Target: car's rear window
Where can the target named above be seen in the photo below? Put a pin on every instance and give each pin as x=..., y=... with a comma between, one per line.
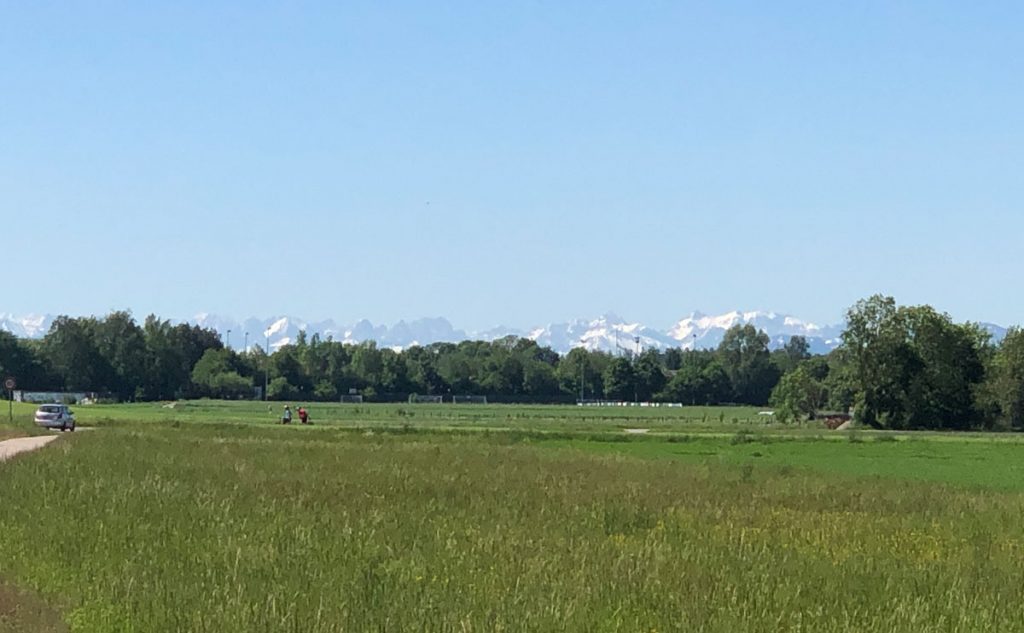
x=50, y=409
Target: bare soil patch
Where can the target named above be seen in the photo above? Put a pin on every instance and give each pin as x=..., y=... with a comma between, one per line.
x=22, y=612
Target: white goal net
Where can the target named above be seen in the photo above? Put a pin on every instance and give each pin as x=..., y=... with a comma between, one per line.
x=417, y=399
x=469, y=399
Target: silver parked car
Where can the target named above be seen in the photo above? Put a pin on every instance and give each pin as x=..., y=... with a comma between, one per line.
x=55, y=416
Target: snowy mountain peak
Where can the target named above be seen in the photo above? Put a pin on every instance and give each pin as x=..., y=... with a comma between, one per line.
x=277, y=327
x=609, y=332
x=26, y=326
x=707, y=331
x=610, y=318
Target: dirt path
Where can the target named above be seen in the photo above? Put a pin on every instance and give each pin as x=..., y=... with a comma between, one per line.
x=10, y=448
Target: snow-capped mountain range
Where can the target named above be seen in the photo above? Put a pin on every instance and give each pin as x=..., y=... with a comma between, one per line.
x=27, y=326
x=609, y=333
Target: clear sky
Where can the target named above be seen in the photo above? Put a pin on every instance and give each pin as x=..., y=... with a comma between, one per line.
x=511, y=163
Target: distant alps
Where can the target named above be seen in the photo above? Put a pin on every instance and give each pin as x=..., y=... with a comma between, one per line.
x=609, y=332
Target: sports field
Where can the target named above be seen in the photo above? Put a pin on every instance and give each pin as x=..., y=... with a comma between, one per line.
x=210, y=517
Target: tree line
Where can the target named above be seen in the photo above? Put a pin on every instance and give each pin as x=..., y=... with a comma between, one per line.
x=898, y=367
x=911, y=367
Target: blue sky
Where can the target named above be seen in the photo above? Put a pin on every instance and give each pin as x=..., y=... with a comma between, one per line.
x=511, y=163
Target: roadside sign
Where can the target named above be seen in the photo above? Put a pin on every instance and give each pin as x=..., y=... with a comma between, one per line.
x=9, y=384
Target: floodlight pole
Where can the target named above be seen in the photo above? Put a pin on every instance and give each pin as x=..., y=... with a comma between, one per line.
x=266, y=368
x=693, y=395
x=636, y=396
x=583, y=368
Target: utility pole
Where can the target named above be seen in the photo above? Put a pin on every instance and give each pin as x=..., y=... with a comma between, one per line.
x=227, y=340
x=246, y=347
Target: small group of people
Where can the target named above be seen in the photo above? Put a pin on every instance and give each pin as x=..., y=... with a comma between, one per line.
x=286, y=417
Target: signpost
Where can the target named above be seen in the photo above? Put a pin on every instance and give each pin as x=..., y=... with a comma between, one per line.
x=9, y=385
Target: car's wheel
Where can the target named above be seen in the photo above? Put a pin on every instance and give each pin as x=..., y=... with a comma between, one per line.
x=72, y=429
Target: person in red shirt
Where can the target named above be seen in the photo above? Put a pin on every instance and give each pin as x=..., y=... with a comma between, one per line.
x=303, y=415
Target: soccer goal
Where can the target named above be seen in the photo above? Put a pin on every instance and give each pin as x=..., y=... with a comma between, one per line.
x=469, y=399
x=358, y=399
x=418, y=399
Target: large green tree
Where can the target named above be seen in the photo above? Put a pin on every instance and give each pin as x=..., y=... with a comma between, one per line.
x=745, y=357
x=1006, y=382
x=700, y=379
x=216, y=375
x=122, y=344
x=913, y=367
x=18, y=359
x=801, y=392
x=620, y=380
x=422, y=370
x=790, y=355
x=649, y=374
x=583, y=367
x=70, y=348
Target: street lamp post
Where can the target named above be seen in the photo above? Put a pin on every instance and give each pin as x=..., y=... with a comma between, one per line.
x=227, y=340
x=245, y=348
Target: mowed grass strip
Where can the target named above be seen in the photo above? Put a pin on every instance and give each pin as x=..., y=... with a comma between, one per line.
x=996, y=463
x=563, y=417
x=236, y=529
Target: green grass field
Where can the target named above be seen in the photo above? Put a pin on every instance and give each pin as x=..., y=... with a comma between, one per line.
x=430, y=415
x=209, y=517
x=438, y=417
x=21, y=424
